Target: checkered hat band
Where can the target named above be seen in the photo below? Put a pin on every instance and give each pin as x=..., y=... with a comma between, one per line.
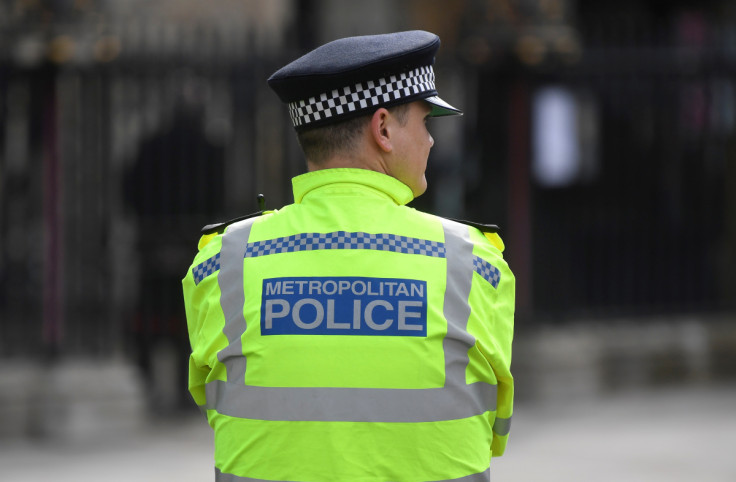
x=361, y=96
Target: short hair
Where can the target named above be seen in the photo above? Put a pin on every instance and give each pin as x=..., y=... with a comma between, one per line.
x=321, y=143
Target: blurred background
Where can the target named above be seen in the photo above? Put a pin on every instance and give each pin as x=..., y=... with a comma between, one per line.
x=600, y=136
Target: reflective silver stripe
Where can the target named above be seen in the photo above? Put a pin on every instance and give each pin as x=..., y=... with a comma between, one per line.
x=484, y=476
x=455, y=400
x=329, y=404
x=502, y=426
x=223, y=477
x=457, y=342
x=232, y=299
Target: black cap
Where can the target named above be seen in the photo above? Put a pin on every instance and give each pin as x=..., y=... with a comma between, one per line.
x=357, y=75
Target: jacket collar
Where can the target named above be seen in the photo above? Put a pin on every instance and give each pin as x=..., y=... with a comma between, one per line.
x=397, y=191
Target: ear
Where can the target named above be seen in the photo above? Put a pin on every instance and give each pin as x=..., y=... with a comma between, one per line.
x=380, y=131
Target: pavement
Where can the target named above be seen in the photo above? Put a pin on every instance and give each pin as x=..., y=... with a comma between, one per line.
x=648, y=435
x=668, y=434
x=174, y=450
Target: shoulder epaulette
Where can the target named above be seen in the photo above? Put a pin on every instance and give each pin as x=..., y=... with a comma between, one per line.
x=484, y=228
x=213, y=228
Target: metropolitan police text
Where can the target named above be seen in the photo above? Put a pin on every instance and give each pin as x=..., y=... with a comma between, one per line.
x=344, y=306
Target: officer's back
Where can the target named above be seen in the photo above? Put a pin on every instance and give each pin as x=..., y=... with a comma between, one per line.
x=347, y=336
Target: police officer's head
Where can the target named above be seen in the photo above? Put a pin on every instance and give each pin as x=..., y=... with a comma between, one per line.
x=371, y=92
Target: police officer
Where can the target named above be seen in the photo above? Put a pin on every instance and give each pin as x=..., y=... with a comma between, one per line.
x=347, y=336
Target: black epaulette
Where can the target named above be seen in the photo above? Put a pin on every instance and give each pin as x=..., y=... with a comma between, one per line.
x=214, y=228
x=484, y=228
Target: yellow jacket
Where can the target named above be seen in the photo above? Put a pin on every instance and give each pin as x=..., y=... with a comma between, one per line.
x=349, y=337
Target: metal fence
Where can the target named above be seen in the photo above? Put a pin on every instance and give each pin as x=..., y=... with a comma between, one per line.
x=109, y=168
x=619, y=175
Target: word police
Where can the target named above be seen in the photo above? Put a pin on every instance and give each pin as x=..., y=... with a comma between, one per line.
x=344, y=306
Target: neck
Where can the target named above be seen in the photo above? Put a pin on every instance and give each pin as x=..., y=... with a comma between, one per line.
x=363, y=159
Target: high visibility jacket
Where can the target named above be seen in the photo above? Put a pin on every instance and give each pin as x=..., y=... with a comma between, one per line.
x=348, y=337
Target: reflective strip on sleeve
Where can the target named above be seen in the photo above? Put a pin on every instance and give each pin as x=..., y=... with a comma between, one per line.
x=455, y=400
x=502, y=426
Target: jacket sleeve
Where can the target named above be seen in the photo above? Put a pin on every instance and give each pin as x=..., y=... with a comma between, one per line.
x=492, y=319
x=500, y=359
x=204, y=319
x=197, y=371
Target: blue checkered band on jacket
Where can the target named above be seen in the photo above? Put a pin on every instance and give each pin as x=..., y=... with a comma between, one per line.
x=346, y=240
x=487, y=271
x=361, y=95
x=203, y=270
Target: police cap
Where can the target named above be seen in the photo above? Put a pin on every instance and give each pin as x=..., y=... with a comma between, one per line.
x=356, y=75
